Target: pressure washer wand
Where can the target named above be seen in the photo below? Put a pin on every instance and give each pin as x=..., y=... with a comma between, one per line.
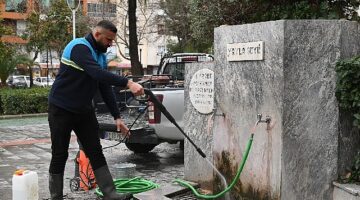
x=162, y=108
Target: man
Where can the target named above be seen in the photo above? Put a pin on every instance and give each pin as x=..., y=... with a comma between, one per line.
x=82, y=72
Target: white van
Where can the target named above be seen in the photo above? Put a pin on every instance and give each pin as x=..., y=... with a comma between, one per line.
x=18, y=81
x=43, y=81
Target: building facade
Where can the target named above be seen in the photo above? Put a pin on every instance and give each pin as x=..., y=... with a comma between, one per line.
x=151, y=32
x=152, y=37
x=14, y=14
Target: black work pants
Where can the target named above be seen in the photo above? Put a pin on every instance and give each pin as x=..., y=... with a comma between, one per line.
x=86, y=128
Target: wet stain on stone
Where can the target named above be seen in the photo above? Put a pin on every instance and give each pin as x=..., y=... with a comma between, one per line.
x=226, y=165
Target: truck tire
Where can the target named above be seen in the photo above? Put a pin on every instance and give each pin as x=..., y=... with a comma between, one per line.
x=140, y=148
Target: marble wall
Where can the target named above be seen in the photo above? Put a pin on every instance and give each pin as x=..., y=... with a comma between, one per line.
x=305, y=146
x=199, y=127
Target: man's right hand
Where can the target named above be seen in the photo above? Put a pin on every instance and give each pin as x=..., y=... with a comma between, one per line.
x=135, y=88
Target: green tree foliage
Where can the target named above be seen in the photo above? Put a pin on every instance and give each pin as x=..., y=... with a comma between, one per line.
x=208, y=14
x=60, y=26
x=51, y=28
x=178, y=23
x=8, y=62
x=38, y=39
x=36, y=34
x=28, y=63
x=3, y=29
x=177, y=18
x=353, y=174
x=347, y=87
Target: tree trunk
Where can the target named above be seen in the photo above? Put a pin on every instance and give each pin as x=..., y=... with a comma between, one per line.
x=136, y=67
x=31, y=70
x=31, y=76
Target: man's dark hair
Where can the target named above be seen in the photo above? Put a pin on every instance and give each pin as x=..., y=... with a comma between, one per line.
x=106, y=24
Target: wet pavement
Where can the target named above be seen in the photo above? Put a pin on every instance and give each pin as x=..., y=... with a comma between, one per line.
x=25, y=143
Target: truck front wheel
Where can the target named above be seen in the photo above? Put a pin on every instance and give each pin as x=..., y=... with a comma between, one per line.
x=140, y=148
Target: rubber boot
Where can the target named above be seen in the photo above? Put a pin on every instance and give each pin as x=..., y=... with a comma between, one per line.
x=56, y=185
x=106, y=185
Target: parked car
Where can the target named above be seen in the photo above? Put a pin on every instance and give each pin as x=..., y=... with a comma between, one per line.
x=27, y=80
x=17, y=82
x=43, y=81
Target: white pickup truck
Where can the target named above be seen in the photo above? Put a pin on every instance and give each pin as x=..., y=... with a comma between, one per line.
x=153, y=127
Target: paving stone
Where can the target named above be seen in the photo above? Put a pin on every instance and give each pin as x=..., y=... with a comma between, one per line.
x=162, y=165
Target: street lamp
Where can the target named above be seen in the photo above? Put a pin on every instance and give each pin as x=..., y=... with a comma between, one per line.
x=74, y=6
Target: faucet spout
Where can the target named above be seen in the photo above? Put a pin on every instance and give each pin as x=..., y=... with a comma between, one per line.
x=267, y=119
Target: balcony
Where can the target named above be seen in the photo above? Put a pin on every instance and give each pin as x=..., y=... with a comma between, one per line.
x=16, y=30
x=15, y=9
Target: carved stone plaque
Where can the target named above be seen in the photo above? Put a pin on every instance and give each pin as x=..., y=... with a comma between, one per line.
x=245, y=51
x=201, y=91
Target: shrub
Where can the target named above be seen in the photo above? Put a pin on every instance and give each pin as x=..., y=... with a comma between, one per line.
x=348, y=95
x=1, y=110
x=23, y=101
x=353, y=174
x=348, y=87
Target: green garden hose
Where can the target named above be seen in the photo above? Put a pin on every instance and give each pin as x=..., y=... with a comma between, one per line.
x=133, y=186
x=138, y=185
x=186, y=184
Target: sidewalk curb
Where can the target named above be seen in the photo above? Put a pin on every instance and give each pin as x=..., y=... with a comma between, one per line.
x=22, y=116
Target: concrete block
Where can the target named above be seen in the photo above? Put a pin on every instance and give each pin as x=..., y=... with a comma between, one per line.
x=297, y=155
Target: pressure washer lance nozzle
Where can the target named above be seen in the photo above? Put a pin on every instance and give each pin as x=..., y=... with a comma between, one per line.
x=267, y=119
x=202, y=154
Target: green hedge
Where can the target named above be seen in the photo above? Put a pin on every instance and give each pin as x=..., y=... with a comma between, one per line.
x=348, y=87
x=23, y=101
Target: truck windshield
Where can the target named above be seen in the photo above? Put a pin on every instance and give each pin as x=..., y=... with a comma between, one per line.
x=176, y=70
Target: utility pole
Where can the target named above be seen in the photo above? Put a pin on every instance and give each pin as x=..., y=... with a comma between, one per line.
x=74, y=6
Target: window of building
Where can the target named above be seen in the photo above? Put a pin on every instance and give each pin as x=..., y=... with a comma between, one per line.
x=161, y=29
x=45, y=56
x=127, y=52
x=111, y=52
x=19, y=6
x=101, y=9
x=161, y=50
x=10, y=24
x=20, y=27
x=51, y=57
x=44, y=4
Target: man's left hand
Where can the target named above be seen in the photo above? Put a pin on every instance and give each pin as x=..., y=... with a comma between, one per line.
x=120, y=125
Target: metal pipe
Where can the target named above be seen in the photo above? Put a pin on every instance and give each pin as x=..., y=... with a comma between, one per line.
x=73, y=15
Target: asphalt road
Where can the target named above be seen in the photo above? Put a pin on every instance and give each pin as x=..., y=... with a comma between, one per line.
x=25, y=143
